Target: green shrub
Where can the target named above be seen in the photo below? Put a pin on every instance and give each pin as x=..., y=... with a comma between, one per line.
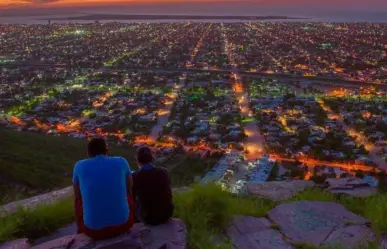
x=36, y=222
x=313, y=194
x=207, y=210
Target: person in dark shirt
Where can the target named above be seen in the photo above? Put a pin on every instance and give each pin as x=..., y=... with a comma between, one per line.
x=152, y=190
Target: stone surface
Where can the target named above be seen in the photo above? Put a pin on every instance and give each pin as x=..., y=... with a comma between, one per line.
x=278, y=191
x=356, y=192
x=16, y=244
x=38, y=200
x=78, y=241
x=173, y=234
x=313, y=221
x=350, y=186
x=70, y=229
x=255, y=233
x=348, y=182
x=383, y=241
x=351, y=236
x=127, y=241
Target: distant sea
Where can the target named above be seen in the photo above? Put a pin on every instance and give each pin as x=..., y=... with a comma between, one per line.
x=364, y=17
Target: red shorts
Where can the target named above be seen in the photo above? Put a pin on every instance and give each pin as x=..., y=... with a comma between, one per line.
x=107, y=232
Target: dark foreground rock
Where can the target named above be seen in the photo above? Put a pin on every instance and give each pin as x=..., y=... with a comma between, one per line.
x=173, y=235
x=249, y=232
x=16, y=244
x=321, y=223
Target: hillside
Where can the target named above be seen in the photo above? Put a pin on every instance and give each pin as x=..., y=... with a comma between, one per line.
x=32, y=163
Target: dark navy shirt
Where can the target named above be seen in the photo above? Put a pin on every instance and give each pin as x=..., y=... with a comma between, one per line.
x=152, y=191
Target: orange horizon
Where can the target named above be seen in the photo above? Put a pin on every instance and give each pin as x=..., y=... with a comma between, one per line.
x=71, y=3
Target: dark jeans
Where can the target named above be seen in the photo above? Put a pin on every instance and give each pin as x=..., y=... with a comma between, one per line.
x=155, y=218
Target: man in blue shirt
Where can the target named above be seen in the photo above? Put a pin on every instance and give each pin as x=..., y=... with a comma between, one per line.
x=103, y=193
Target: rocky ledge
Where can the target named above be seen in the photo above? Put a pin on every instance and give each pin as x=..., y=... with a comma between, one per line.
x=308, y=222
x=278, y=191
x=171, y=236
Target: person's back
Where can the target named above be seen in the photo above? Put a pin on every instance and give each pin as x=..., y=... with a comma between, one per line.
x=102, y=186
x=152, y=189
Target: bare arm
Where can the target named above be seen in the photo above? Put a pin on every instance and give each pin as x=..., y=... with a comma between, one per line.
x=129, y=185
x=77, y=206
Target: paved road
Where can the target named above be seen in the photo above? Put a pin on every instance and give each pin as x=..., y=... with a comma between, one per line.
x=164, y=114
x=255, y=140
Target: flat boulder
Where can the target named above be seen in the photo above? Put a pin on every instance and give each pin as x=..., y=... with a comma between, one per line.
x=319, y=223
x=249, y=232
x=278, y=191
x=77, y=241
x=172, y=234
x=16, y=244
x=350, y=186
x=351, y=236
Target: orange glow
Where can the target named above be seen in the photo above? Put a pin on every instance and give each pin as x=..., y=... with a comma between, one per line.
x=308, y=74
x=143, y=139
x=140, y=111
x=366, y=114
x=41, y=126
x=314, y=163
x=72, y=126
x=302, y=67
x=339, y=92
x=101, y=100
x=162, y=112
x=17, y=121
x=238, y=87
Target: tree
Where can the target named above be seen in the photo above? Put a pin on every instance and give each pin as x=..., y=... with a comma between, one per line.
x=274, y=172
x=382, y=185
x=344, y=175
x=297, y=173
x=359, y=174
x=319, y=179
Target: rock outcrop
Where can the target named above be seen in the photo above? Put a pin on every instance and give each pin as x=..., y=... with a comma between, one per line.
x=306, y=222
x=249, y=232
x=172, y=235
x=350, y=186
x=43, y=199
x=16, y=244
x=320, y=223
x=278, y=191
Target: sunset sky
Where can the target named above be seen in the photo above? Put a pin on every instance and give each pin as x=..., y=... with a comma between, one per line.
x=357, y=9
x=68, y=3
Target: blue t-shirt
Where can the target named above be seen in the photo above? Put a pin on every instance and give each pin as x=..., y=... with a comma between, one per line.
x=102, y=182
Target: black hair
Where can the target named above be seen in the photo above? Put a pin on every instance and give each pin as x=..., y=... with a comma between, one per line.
x=97, y=146
x=144, y=155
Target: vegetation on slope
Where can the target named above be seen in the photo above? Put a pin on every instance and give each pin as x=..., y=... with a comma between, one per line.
x=32, y=163
x=206, y=210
